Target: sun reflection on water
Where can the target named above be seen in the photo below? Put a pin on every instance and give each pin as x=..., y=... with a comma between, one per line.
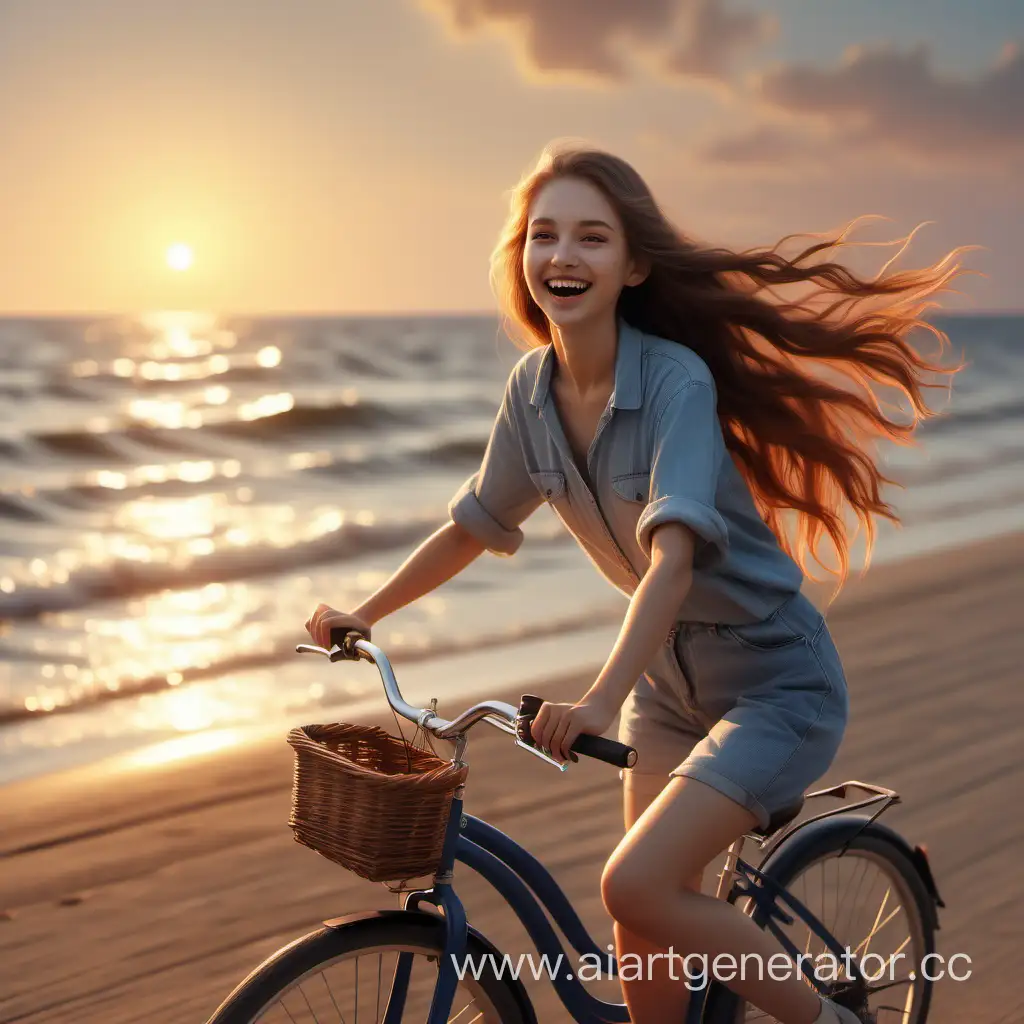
x=184, y=747
x=148, y=626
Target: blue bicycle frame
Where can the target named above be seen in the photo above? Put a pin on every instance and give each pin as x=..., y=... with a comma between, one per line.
x=505, y=864
x=529, y=888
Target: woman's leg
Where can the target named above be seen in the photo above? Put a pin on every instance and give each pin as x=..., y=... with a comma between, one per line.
x=646, y=890
x=653, y=995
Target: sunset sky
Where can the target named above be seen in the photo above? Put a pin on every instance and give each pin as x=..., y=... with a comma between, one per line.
x=355, y=156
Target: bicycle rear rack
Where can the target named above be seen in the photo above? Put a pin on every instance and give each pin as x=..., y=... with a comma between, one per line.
x=879, y=795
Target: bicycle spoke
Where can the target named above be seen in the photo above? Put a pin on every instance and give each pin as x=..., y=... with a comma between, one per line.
x=345, y=995
x=856, y=900
x=308, y=1006
x=876, y=928
x=855, y=903
x=334, y=1001
x=478, y=1017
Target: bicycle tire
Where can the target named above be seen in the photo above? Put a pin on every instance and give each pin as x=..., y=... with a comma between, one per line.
x=284, y=971
x=722, y=1007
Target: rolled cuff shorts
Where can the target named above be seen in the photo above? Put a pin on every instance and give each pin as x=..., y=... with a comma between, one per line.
x=755, y=711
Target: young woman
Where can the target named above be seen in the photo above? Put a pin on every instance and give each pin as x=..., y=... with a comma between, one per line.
x=667, y=410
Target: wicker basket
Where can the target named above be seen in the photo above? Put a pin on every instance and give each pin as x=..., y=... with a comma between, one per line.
x=369, y=801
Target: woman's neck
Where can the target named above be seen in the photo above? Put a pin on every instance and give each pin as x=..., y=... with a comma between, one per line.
x=586, y=357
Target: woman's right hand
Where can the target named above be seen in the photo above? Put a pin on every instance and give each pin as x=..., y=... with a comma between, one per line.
x=325, y=618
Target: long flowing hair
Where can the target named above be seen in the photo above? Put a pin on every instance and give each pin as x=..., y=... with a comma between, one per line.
x=793, y=377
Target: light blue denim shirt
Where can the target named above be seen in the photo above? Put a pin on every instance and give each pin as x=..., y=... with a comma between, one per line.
x=657, y=456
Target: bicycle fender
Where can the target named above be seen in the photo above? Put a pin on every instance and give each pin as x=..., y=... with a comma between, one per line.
x=798, y=844
x=436, y=921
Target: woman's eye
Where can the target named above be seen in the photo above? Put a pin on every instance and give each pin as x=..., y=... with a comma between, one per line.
x=546, y=234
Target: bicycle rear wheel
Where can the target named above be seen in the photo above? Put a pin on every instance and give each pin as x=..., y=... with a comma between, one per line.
x=339, y=975
x=872, y=900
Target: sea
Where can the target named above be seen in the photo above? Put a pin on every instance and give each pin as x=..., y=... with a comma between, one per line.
x=178, y=491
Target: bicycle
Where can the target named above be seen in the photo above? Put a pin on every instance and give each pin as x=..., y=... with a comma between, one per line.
x=430, y=936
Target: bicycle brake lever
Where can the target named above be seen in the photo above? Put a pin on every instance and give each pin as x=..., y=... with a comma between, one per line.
x=528, y=707
x=540, y=753
x=336, y=653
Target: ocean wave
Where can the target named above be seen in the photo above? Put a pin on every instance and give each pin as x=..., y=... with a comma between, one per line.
x=283, y=650
x=458, y=451
x=122, y=440
x=959, y=468
x=73, y=391
x=88, y=444
x=305, y=418
x=995, y=413
x=22, y=509
x=365, y=366
x=130, y=578
x=11, y=451
x=446, y=454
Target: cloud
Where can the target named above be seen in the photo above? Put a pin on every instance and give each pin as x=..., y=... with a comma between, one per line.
x=891, y=98
x=683, y=38
x=765, y=144
x=716, y=36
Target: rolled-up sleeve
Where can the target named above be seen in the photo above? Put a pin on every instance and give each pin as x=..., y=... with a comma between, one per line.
x=687, y=454
x=493, y=502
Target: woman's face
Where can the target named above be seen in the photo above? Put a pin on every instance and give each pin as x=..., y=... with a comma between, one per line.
x=573, y=234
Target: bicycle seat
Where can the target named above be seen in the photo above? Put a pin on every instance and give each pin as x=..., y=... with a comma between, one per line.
x=779, y=819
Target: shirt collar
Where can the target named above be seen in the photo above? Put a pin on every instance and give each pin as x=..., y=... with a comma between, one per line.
x=628, y=391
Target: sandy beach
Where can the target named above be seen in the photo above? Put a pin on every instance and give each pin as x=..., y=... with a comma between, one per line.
x=145, y=894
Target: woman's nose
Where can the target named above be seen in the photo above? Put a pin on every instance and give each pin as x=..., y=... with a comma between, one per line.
x=564, y=257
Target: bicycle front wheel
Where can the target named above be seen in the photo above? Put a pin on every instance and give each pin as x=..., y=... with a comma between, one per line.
x=870, y=897
x=339, y=975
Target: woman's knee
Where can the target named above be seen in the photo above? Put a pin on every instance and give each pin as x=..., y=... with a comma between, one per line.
x=632, y=887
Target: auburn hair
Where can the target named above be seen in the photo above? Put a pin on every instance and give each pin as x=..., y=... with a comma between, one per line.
x=793, y=377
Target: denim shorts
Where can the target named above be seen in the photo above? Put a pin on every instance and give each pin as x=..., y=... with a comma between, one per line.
x=755, y=711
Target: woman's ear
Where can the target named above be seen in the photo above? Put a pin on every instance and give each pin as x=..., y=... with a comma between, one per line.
x=641, y=267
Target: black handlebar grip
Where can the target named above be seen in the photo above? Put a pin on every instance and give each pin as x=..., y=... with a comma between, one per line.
x=603, y=749
x=598, y=747
x=345, y=638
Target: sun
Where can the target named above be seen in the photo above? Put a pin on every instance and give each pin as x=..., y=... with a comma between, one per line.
x=179, y=256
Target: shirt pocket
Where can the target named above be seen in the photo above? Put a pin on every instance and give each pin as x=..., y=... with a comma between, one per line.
x=634, y=487
x=550, y=483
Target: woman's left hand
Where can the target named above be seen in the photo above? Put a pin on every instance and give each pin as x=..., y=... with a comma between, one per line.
x=557, y=726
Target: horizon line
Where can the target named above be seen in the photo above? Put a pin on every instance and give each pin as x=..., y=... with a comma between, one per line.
x=313, y=314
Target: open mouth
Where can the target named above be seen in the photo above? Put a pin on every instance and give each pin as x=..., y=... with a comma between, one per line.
x=565, y=289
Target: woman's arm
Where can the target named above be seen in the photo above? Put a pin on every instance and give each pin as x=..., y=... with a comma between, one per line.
x=444, y=554
x=653, y=610
x=485, y=515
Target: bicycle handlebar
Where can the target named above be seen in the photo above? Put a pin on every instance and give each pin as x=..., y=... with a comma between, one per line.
x=350, y=646
x=599, y=747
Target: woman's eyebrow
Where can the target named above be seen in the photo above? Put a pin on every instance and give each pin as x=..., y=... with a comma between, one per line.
x=582, y=223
